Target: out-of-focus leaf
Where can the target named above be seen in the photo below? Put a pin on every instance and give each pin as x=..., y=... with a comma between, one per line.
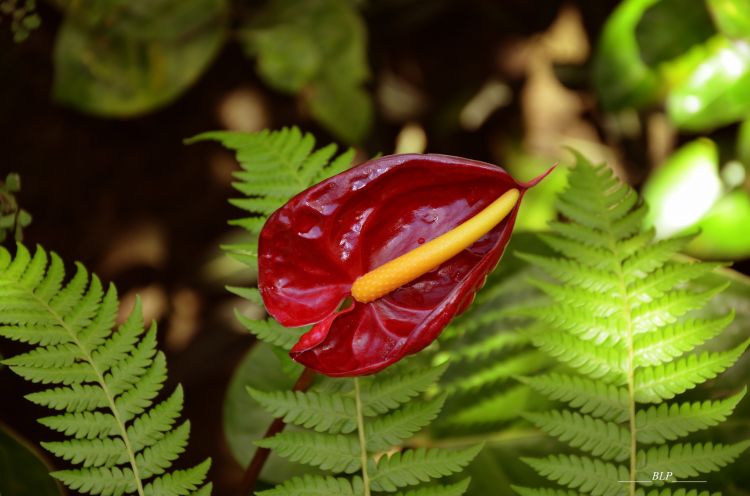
x=22, y=470
x=725, y=230
x=245, y=421
x=133, y=57
x=538, y=207
x=717, y=92
x=684, y=188
x=743, y=143
x=316, y=48
x=688, y=21
x=732, y=17
x=621, y=78
x=343, y=108
x=13, y=219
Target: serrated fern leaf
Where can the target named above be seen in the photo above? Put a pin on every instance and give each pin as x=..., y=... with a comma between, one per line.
x=384, y=394
x=606, y=440
x=584, y=474
x=456, y=489
x=620, y=316
x=413, y=466
x=104, y=379
x=331, y=413
x=390, y=430
x=315, y=485
x=689, y=460
x=667, y=422
x=337, y=453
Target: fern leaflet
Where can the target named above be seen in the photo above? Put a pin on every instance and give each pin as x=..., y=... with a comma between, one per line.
x=104, y=380
x=620, y=316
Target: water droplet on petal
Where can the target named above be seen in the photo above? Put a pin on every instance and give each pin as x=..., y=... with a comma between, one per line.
x=420, y=241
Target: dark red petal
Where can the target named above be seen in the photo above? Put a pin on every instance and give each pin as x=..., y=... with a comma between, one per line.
x=313, y=248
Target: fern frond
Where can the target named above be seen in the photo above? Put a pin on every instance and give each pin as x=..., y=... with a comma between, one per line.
x=595, y=398
x=653, y=384
x=689, y=460
x=383, y=395
x=620, y=316
x=528, y=491
x=105, y=380
x=456, y=489
x=332, y=413
x=390, y=430
x=584, y=474
x=316, y=485
x=337, y=453
x=668, y=422
x=606, y=440
x=413, y=466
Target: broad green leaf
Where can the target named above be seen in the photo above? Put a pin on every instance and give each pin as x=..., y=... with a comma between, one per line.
x=621, y=78
x=717, y=92
x=130, y=58
x=245, y=421
x=689, y=24
x=22, y=470
x=684, y=188
x=722, y=229
x=316, y=48
x=732, y=17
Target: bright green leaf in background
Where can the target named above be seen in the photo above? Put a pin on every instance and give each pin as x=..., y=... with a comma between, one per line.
x=22, y=471
x=621, y=78
x=318, y=48
x=683, y=190
x=688, y=192
x=122, y=58
x=717, y=92
x=732, y=17
x=725, y=230
x=13, y=219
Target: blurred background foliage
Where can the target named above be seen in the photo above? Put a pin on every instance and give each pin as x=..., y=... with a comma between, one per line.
x=98, y=95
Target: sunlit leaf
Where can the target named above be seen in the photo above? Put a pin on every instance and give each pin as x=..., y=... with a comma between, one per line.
x=717, y=92
x=732, y=17
x=131, y=58
x=683, y=190
x=725, y=230
x=621, y=78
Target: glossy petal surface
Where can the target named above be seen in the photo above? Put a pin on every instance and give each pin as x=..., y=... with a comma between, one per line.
x=313, y=249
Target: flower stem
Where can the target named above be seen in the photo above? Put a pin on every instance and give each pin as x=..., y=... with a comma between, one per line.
x=362, y=441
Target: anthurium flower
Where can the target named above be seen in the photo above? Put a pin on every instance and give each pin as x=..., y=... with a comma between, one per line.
x=381, y=257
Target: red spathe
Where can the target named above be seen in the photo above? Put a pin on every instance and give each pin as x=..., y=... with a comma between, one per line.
x=313, y=248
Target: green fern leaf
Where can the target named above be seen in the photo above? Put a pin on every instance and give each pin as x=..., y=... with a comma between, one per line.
x=270, y=331
x=606, y=440
x=595, y=398
x=316, y=485
x=105, y=380
x=390, y=430
x=584, y=474
x=380, y=396
x=527, y=491
x=620, y=317
x=677, y=492
x=456, y=489
x=410, y=467
x=653, y=384
x=332, y=413
x=668, y=342
x=499, y=407
x=666, y=422
x=689, y=460
x=337, y=453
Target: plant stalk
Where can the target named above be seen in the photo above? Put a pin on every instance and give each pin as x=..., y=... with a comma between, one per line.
x=362, y=439
x=253, y=470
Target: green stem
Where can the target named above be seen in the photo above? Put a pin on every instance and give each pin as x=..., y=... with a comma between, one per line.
x=362, y=441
